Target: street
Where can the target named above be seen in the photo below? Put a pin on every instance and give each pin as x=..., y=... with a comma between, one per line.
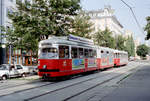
x=74, y=50
x=127, y=83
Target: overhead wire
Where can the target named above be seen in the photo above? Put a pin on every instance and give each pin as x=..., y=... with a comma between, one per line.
x=134, y=16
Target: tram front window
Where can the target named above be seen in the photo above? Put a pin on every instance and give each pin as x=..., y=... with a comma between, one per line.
x=49, y=53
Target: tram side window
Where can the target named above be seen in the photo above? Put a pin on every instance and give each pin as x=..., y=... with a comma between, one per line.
x=107, y=52
x=115, y=55
x=63, y=51
x=74, y=52
x=94, y=53
x=90, y=53
x=86, y=53
x=81, y=54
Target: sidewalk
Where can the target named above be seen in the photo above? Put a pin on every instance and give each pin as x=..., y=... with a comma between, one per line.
x=134, y=88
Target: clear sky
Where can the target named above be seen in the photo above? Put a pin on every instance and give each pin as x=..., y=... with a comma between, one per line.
x=141, y=9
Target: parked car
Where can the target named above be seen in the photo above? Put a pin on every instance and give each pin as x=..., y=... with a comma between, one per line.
x=8, y=71
x=131, y=58
x=4, y=72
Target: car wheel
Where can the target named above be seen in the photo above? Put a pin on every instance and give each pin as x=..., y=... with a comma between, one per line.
x=4, y=77
x=23, y=75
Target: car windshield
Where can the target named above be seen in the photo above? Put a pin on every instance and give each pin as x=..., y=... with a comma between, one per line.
x=3, y=67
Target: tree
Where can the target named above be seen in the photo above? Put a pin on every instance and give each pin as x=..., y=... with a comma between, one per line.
x=104, y=38
x=147, y=28
x=82, y=26
x=142, y=50
x=120, y=42
x=42, y=18
x=130, y=46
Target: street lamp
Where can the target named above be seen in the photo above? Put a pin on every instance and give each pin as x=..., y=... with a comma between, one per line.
x=3, y=53
x=3, y=46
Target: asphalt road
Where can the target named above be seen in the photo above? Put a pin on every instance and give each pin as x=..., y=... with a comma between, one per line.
x=127, y=83
x=134, y=88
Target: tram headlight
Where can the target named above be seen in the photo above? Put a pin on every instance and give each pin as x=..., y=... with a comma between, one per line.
x=44, y=66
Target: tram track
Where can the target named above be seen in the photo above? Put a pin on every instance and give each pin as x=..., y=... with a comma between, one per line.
x=49, y=92
x=44, y=85
x=68, y=98
x=23, y=90
x=61, y=88
x=17, y=85
x=99, y=84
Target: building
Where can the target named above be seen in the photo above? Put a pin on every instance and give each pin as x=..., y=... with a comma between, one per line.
x=5, y=7
x=8, y=54
x=105, y=18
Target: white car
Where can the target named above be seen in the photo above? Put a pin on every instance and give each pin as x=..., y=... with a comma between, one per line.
x=4, y=72
x=8, y=71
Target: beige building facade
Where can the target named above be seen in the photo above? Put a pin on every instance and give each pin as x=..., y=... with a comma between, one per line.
x=105, y=18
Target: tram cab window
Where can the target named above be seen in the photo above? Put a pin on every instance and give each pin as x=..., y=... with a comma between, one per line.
x=81, y=54
x=63, y=51
x=74, y=52
x=49, y=50
x=49, y=53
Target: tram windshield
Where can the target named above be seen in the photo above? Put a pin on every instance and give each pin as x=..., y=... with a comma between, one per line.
x=48, y=53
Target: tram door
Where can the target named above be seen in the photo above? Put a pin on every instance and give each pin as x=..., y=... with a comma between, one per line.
x=77, y=55
x=64, y=61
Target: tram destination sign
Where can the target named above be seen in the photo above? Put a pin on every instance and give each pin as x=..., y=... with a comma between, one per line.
x=80, y=39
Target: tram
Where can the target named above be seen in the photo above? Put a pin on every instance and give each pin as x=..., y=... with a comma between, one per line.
x=65, y=56
x=120, y=58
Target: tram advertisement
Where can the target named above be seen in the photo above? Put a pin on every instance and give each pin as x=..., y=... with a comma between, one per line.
x=78, y=63
x=91, y=62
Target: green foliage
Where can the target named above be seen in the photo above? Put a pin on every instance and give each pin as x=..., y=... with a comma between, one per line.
x=130, y=46
x=120, y=42
x=147, y=28
x=82, y=26
x=40, y=19
x=142, y=50
x=104, y=38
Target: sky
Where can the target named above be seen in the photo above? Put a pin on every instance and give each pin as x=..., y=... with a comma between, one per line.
x=141, y=9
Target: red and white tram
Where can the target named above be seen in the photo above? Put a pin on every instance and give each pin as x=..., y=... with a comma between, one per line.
x=63, y=56
x=120, y=58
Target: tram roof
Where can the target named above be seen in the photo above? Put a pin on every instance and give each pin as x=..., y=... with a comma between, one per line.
x=65, y=41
